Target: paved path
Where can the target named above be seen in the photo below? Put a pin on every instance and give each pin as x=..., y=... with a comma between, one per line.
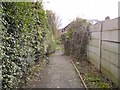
x=59, y=73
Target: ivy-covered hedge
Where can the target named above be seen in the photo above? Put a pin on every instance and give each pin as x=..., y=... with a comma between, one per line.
x=75, y=39
x=22, y=39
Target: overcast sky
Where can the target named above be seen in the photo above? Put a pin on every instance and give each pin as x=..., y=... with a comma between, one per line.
x=68, y=10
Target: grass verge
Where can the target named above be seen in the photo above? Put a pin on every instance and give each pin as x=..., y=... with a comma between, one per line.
x=92, y=77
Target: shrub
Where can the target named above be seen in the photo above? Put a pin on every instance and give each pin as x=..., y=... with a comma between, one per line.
x=75, y=39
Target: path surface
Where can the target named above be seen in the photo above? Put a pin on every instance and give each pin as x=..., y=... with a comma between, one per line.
x=59, y=73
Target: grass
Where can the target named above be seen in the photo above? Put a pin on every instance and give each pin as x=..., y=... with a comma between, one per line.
x=92, y=77
x=94, y=82
x=59, y=47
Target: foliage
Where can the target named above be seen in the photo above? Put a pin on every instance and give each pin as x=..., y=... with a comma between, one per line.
x=75, y=38
x=53, y=22
x=94, y=81
x=52, y=35
x=50, y=43
x=22, y=44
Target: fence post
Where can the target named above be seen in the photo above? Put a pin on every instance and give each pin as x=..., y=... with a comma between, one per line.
x=100, y=46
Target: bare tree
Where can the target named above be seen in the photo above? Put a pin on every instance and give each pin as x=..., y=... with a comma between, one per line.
x=54, y=22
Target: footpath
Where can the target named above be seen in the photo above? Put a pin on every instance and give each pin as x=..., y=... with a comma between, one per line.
x=59, y=73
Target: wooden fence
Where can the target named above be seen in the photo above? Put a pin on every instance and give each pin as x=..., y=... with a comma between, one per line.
x=104, y=48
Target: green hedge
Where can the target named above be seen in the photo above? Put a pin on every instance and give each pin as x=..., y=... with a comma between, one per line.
x=22, y=44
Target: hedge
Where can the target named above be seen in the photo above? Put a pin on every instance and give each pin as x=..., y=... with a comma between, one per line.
x=23, y=40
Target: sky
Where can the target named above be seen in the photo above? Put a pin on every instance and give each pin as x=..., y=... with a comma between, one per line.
x=68, y=10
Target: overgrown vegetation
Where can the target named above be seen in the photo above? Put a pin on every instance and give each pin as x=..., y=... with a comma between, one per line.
x=92, y=77
x=25, y=39
x=75, y=39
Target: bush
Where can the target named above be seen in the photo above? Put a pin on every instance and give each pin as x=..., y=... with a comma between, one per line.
x=75, y=39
